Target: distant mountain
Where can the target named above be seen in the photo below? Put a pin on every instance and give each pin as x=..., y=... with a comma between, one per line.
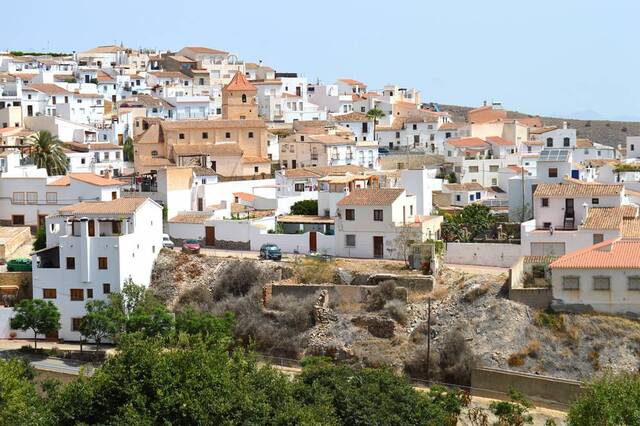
x=606, y=132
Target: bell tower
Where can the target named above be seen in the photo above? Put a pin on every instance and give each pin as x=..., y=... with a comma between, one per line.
x=239, y=99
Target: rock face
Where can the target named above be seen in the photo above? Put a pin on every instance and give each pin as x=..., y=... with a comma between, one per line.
x=377, y=326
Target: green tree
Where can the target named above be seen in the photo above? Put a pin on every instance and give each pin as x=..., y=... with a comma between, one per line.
x=375, y=114
x=42, y=317
x=194, y=383
x=514, y=412
x=127, y=149
x=41, y=239
x=607, y=401
x=477, y=220
x=195, y=322
x=47, y=153
x=374, y=396
x=305, y=207
x=101, y=321
x=20, y=403
x=138, y=310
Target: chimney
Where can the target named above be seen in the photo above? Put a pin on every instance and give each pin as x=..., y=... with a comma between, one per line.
x=484, y=103
x=564, y=124
x=586, y=212
x=107, y=174
x=85, y=251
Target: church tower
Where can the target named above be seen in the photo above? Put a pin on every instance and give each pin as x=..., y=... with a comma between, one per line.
x=239, y=99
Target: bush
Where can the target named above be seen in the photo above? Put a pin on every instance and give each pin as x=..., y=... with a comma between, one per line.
x=550, y=320
x=514, y=412
x=452, y=362
x=380, y=295
x=237, y=279
x=397, y=309
x=608, y=400
x=305, y=208
x=199, y=298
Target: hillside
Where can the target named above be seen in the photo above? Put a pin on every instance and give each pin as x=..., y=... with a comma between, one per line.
x=611, y=133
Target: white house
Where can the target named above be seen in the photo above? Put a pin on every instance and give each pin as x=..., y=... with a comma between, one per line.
x=27, y=200
x=604, y=277
x=368, y=222
x=93, y=248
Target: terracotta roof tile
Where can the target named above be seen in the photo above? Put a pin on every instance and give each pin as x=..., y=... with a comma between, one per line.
x=48, y=89
x=577, y=190
x=449, y=126
x=467, y=143
x=118, y=206
x=244, y=196
x=191, y=217
x=469, y=186
x=604, y=218
x=631, y=228
x=499, y=141
x=240, y=83
x=619, y=253
x=371, y=197
x=351, y=117
x=352, y=82
x=89, y=178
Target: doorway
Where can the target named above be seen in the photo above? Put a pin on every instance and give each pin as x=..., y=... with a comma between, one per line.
x=210, y=235
x=378, y=247
x=313, y=241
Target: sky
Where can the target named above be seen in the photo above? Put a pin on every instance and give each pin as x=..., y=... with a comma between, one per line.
x=570, y=58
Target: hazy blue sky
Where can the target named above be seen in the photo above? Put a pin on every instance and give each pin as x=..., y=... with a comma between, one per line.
x=543, y=57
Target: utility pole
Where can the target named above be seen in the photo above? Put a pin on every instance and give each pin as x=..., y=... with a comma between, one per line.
x=428, y=338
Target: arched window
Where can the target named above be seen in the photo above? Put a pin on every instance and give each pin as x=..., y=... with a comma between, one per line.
x=244, y=98
x=154, y=154
x=567, y=141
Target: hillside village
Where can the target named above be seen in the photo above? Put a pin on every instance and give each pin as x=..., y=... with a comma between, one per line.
x=117, y=158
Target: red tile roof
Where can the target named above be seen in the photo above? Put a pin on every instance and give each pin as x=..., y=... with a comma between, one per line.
x=352, y=82
x=240, y=83
x=619, y=253
x=89, y=178
x=467, y=143
x=499, y=141
x=371, y=197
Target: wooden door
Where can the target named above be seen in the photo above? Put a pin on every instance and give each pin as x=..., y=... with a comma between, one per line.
x=92, y=228
x=313, y=241
x=200, y=204
x=378, y=247
x=210, y=235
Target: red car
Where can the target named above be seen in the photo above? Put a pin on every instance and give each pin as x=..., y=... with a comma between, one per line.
x=191, y=246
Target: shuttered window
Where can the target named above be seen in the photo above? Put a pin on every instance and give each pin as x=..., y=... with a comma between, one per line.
x=601, y=283
x=570, y=283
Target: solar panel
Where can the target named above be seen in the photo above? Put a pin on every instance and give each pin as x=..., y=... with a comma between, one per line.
x=554, y=154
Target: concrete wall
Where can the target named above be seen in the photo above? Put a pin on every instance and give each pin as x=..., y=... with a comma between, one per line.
x=543, y=390
x=13, y=238
x=337, y=293
x=484, y=254
x=533, y=297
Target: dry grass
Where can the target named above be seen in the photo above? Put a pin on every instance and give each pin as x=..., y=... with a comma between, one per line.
x=314, y=271
x=516, y=360
x=532, y=350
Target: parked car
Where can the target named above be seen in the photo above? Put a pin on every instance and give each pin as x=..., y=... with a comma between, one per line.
x=270, y=252
x=383, y=151
x=166, y=241
x=19, y=264
x=191, y=246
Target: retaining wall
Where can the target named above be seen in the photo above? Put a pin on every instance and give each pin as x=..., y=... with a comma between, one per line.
x=337, y=293
x=544, y=390
x=482, y=254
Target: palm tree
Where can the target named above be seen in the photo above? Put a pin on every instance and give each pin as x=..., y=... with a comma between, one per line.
x=46, y=152
x=375, y=114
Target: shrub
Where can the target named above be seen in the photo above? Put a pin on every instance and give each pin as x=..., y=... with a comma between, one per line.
x=514, y=412
x=516, y=359
x=380, y=295
x=550, y=320
x=397, y=309
x=198, y=297
x=237, y=279
x=314, y=271
x=305, y=208
x=296, y=313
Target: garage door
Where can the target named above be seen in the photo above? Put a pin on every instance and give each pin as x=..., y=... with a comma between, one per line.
x=547, y=249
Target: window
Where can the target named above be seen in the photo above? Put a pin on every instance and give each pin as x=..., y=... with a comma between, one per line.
x=77, y=294
x=71, y=263
x=350, y=240
x=377, y=215
x=298, y=187
x=89, y=293
x=493, y=168
x=350, y=214
x=397, y=135
x=106, y=288
x=180, y=135
x=17, y=219
x=601, y=283
x=595, y=201
x=571, y=283
x=102, y=263
x=473, y=169
x=18, y=198
x=75, y=324
x=633, y=147
x=411, y=210
x=154, y=153
x=633, y=283
x=255, y=169
x=415, y=127
x=549, y=142
x=244, y=98
x=49, y=293
x=546, y=225
x=553, y=172
x=566, y=142
x=458, y=198
x=545, y=202
x=227, y=135
x=32, y=198
x=205, y=135
x=250, y=135
x=598, y=238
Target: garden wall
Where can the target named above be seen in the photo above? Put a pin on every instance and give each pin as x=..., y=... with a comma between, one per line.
x=482, y=254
